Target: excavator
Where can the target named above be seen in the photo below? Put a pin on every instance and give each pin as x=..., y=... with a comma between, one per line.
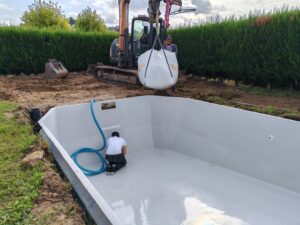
x=126, y=49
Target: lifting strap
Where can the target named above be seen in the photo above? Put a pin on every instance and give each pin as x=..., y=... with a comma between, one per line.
x=157, y=39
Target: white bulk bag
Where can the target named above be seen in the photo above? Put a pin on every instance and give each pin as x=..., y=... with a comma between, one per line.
x=158, y=69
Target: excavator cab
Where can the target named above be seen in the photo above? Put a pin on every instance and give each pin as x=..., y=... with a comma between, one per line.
x=143, y=35
x=139, y=41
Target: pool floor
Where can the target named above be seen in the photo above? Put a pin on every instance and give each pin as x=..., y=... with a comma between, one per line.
x=164, y=187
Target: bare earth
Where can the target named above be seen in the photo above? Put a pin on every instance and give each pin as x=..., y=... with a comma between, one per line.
x=34, y=91
x=55, y=204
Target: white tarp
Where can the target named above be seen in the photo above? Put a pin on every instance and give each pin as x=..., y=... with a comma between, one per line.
x=160, y=72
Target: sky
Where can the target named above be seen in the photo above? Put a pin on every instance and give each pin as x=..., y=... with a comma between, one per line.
x=11, y=10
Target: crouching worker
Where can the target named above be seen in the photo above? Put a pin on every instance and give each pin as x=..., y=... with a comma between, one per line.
x=115, y=154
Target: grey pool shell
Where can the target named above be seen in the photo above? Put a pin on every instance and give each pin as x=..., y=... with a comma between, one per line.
x=189, y=162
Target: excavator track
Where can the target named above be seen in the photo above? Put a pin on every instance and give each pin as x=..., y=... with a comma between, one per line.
x=117, y=75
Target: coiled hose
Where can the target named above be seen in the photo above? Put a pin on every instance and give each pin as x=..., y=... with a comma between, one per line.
x=102, y=168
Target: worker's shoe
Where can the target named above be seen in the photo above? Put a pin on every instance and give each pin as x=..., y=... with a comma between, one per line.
x=113, y=169
x=108, y=169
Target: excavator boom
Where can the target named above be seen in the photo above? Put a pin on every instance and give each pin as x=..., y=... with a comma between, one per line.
x=123, y=30
x=169, y=4
x=153, y=14
x=153, y=10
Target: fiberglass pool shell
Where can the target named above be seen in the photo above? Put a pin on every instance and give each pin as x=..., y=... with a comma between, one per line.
x=189, y=162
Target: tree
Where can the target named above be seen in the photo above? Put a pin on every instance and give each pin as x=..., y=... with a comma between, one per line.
x=89, y=21
x=45, y=14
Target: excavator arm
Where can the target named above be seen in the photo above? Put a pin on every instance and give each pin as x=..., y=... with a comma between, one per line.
x=123, y=31
x=123, y=41
x=153, y=15
x=169, y=4
x=153, y=10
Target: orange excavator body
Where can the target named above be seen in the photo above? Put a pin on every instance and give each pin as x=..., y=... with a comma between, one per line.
x=123, y=25
x=126, y=49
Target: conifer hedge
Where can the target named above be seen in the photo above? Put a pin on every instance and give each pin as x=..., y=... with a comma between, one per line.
x=27, y=50
x=260, y=50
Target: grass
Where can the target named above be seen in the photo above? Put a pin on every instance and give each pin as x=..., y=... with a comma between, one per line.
x=19, y=187
x=217, y=100
x=277, y=92
x=269, y=110
x=227, y=96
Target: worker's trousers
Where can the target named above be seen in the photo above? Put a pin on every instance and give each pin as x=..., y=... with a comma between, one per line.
x=119, y=160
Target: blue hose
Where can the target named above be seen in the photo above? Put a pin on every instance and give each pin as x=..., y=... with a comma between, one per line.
x=103, y=162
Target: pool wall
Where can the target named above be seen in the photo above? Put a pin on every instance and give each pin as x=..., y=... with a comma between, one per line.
x=260, y=146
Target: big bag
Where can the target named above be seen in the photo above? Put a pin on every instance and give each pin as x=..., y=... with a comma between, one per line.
x=158, y=69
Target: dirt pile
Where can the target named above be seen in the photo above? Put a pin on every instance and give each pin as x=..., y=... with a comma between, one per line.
x=33, y=158
x=55, y=204
x=37, y=92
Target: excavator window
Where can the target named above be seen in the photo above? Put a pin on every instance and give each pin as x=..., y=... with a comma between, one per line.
x=141, y=30
x=143, y=34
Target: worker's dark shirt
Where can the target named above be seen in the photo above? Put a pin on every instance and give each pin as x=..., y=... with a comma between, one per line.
x=171, y=48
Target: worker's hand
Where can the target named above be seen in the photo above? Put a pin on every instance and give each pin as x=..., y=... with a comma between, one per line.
x=124, y=151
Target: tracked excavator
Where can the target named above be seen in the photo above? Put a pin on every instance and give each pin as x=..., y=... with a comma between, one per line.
x=130, y=45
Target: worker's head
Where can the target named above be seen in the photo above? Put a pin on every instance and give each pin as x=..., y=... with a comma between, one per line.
x=115, y=134
x=169, y=40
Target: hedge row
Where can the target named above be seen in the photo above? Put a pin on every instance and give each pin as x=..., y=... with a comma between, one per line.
x=260, y=50
x=27, y=50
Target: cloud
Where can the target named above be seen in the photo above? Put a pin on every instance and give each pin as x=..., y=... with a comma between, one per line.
x=72, y=14
x=202, y=6
x=110, y=18
x=5, y=15
x=75, y=2
x=108, y=10
x=139, y=5
x=11, y=10
x=5, y=7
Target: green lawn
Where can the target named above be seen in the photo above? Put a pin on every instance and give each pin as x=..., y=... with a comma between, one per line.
x=276, y=92
x=18, y=186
